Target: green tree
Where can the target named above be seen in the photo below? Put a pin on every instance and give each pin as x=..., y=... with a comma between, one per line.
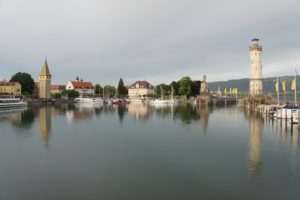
x=122, y=90
x=25, y=81
x=56, y=95
x=109, y=91
x=98, y=90
x=70, y=93
x=162, y=90
x=185, y=86
x=175, y=85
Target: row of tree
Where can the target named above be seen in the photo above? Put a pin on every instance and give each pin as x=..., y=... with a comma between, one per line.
x=111, y=91
x=183, y=87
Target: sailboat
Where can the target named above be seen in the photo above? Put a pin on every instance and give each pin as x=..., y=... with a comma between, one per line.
x=163, y=101
x=172, y=100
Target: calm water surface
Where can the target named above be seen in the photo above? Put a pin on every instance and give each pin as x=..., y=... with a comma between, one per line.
x=142, y=152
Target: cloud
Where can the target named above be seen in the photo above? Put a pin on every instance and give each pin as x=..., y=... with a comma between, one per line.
x=157, y=40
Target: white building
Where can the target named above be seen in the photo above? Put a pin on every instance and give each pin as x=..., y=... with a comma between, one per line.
x=84, y=88
x=140, y=89
x=256, y=83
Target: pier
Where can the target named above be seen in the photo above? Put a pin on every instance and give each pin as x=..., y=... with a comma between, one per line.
x=285, y=113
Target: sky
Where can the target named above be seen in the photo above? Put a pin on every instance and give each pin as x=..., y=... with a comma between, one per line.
x=154, y=40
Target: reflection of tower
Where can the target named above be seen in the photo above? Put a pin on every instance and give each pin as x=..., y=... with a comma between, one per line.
x=45, y=123
x=204, y=116
x=256, y=83
x=45, y=82
x=255, y=138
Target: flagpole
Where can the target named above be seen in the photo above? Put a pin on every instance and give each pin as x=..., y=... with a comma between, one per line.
x=278, y=102
x=295, y=87
x=284, y=90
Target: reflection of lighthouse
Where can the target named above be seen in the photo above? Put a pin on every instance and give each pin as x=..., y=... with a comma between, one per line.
x=45, y=123
x=255, y=139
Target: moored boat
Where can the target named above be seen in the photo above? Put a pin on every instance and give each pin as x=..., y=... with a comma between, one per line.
x=88, y=100
x=12, y=103
x=286, y=112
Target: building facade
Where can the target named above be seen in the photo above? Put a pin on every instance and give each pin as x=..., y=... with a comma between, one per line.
x=44, y=86
x=10, y=88
x=256, y=82
x=57, y=89
x=83, y=88
x=140, y=89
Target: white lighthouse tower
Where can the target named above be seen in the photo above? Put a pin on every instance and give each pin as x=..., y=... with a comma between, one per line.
x=256, y=83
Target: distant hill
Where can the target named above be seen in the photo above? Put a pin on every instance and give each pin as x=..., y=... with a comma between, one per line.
x=243, y=84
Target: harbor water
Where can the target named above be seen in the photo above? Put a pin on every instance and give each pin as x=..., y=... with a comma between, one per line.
x=147, y=153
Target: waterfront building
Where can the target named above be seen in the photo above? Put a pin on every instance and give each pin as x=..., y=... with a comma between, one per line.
x=256, y=82
x=44, y=86
x=83, y=88
x=140, y=89
x=57, y=89
x=10, y=88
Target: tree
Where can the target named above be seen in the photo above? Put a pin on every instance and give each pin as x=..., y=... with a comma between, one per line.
x=98, y=89
x=70, y=93
x=109, y=91
x=122, y=90
x=25, y=80
x=56, y=95
x=162, y=90
x=195, y=88
x=185, y=87
x=175, y=85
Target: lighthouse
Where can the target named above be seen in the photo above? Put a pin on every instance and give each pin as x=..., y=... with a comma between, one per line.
x=256, y=83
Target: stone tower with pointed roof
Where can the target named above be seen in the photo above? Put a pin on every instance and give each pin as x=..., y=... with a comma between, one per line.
x=45, y=82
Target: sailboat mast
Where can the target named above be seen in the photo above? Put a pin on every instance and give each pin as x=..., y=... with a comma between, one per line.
x=295, y=87
x=277, y=91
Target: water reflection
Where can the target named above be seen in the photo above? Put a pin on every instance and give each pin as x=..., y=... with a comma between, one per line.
x=203, y=111
x=139, y=111
x=187, y=114
x=22, y=119
x=282, y=131
x=80, y=112
x=254, y=144
x=44, y=115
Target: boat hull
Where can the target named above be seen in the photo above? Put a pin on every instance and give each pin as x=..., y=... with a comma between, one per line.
x=13, y=105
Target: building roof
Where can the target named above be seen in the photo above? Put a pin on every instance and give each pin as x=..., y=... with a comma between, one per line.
x=5, y=83
x=81, y=84
x=45, y=69
x=58, y=87
x=141, y=84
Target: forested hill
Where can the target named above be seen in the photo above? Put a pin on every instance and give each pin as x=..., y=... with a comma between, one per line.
x=243, y=84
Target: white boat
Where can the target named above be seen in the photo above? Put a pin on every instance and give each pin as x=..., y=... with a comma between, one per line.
x=137, y=101
x=12, y=103
x=88, y=100
x=286, y=112
x=163, y=101
x=159, y=102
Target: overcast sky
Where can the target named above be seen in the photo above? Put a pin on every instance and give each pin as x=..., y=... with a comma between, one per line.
x=155, y=40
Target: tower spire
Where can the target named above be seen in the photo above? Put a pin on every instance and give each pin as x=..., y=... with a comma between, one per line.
x=45, y=69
